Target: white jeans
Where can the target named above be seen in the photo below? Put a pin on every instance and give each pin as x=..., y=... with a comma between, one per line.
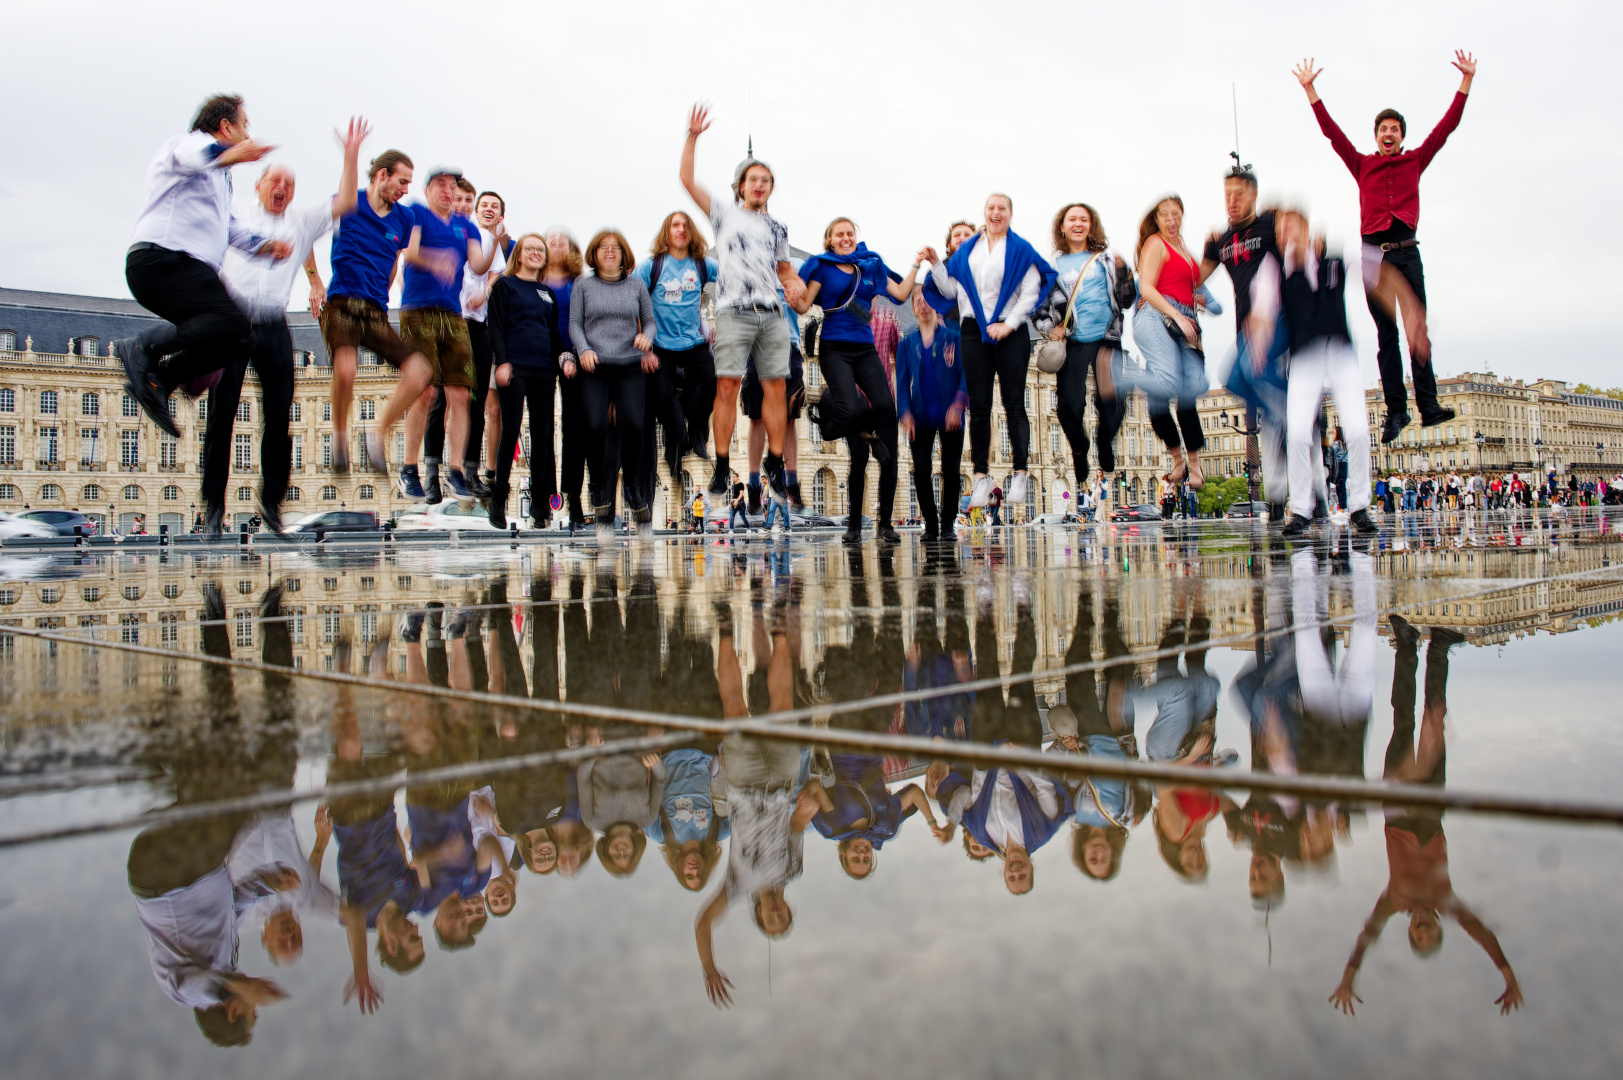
x=1344, y=696
x=1323, y=366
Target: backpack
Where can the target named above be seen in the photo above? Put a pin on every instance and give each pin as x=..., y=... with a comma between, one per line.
x=658, y=267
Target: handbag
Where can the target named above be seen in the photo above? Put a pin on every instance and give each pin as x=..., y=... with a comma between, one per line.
x=1050, y=355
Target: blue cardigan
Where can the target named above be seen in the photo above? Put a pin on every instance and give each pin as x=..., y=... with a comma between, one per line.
x=1035, y=829
x=1018, y=257
x=930, y=381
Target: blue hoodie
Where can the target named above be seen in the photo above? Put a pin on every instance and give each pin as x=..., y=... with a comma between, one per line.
x=930, y=381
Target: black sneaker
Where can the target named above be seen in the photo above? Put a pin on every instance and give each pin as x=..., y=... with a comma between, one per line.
x=1363, y=523
x=1395, y=423
x=755, y=499
x=457, y=485
x=144, y=386
x=776, y=488
x=1402, y=632
x=930, y=535
x=887, y=534
x=1297, y=528
x=852, y=535
x=411, y=630
x=721, y=478
x=1433, y=417
x=1444, y=638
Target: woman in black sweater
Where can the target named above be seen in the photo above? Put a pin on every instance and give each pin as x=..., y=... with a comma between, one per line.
x=529, y=355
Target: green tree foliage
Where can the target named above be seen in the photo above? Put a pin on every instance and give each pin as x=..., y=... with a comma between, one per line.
x=1216, y=497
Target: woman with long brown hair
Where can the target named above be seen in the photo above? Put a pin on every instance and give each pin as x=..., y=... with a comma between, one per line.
x=564, y=265
x=1167, y=333
x=682, y=391
x=523, y=323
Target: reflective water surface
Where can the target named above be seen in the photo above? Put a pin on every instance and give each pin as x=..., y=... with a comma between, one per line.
x=701, y=809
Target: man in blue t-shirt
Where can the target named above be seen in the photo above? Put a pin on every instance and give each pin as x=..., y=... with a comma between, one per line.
x=442, y=243
x=683, y=389
x=366, y=247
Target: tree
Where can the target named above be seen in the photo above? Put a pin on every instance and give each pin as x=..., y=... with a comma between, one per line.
x=1216, y=498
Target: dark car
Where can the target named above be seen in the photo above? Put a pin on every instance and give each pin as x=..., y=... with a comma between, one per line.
x=335, y=521
x=1242, y=509
x=65, y=522
x=1136, y=512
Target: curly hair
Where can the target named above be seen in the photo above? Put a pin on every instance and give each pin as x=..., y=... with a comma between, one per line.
x=1096, y=241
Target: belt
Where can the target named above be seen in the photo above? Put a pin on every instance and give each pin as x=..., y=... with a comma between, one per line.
x=756, y=306
x=144, y=246
x=1396, y=244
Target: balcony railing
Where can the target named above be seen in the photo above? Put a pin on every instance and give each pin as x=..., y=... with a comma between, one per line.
x=172, y=468
x=130, y=466
x=92, y=466
x=50, y=466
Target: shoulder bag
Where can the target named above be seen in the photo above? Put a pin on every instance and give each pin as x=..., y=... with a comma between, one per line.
x=1049, y=354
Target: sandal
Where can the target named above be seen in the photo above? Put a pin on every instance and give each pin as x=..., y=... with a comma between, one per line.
x=1197, y=479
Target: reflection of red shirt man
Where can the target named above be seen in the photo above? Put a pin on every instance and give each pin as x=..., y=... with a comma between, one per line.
x=1389, y=214
x=1418, y=885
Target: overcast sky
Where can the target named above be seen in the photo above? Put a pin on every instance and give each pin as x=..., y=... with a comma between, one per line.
x=902, y=116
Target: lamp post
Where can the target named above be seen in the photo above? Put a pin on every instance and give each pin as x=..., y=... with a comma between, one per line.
x=1481, y=440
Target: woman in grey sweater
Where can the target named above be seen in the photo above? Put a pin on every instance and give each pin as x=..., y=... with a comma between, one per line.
x=620, y=796
x=611, y=323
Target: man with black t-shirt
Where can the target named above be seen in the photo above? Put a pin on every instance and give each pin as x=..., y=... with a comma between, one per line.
x=1257, y=376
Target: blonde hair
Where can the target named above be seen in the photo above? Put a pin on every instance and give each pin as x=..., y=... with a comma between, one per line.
x=515, y=261
x=828, y=233
x=574, y=264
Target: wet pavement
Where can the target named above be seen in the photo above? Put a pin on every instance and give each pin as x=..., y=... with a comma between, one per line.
x=1163, y=800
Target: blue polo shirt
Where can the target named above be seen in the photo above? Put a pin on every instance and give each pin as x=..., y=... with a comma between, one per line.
x=365, y=246
x=422, y=288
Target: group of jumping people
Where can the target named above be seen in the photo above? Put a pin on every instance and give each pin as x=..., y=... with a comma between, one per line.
x=490, y=325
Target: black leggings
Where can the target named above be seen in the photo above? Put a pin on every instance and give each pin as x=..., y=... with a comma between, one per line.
x=1071, y=403
x=695, y=373
x=573, y=460
x=858, y=400
x=272, y=358
x=1007, y=361
x=952, y=455
x=536, y=389
x=664, y=395
x=209, y=330
x=1166, y=428
x=625, y=387
x=434, y=434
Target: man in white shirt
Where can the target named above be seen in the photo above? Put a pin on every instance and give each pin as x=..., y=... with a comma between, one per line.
x=173, y=265
x=261, y=288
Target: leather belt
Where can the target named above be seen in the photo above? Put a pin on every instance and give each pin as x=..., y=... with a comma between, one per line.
x=1396, y=244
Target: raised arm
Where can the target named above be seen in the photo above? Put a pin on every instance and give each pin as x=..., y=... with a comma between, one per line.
x=1306, y=74
x=1343, y=997
x=349, y=181
x=698, y=124
x=1466, y=63
x=716, y=985
x=900, y=291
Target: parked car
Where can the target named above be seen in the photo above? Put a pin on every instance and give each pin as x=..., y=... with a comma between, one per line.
x=62, y=521
x=1063, y=518
x=24, y=528
x=450, y=515
x=1136, y=512
x=324, y=522
x=1242, y=509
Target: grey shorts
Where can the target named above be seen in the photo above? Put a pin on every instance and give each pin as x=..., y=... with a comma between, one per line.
x=743, y=334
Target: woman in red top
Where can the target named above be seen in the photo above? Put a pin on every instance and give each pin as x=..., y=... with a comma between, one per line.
x=1168, y=336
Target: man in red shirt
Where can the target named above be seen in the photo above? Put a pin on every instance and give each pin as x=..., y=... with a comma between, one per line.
x=1389, y=214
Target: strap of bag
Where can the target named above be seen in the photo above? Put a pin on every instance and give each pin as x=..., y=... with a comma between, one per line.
x=1099, y=804
x=1070, y=301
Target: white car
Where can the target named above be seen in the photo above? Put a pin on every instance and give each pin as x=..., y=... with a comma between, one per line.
x=16, y=528
x=450, y=515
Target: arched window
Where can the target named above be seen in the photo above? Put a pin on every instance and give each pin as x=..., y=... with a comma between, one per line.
x=329, y=493
x=91, y=493
x=365, y=491
x=8, y=491
x=49, y=493
x=294, y=494
x=244, y=494
x=171, y=493
x=132, y=492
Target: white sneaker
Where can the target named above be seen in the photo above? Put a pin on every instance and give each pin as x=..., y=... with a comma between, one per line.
x=981, y=493
x=1017, y=489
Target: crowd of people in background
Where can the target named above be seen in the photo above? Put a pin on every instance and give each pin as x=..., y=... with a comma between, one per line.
x=666, y=348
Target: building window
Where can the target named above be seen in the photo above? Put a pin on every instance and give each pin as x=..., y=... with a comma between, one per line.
x=129, y=627
x=168, y=627
x=814, y=375
x=326, y=449
x=400, y=446
x=1003, y=440
x=366, y=358
x=245, y=628
x=369, y=410
x=202, y=410
x=245, y=410
x=326, y=410
x=1053, y=444
x=8, y=446
x=298, y=453
x=47, y=444
x=8, y=491
x=365, y=491
x=171, y=493
x=132, y=493
x=8, y=399
x=89, y=346
x=47, y=402
x=8, y=340
x=293, y=495
x=129, y=448
x=49, y=493
x=298, y=412
x=329, y=493
x=89, y=445
x=168, y=450
x=91, y=493
x=244, y=494
x=242, y=458
x=129, y=409
x=90, y=404
x=820, y=491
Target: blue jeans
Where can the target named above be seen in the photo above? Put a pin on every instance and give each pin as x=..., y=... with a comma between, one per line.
x=1172, y=368
x=774, y=509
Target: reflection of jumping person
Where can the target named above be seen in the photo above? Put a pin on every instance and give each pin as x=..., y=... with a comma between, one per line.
x=1389, y=213
x=1416, y=849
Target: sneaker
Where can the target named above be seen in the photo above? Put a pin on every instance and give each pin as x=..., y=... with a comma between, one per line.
x=720, y=479
x=458, y=487
x=930, y=535
x=852, y=535
x=498, y=505
x=888, y=535
x=410, y=486
x=1433, y=417
x=755, y=499
x=1392, y=431
x=949, y=535
x=144, y=386
x=1017, y=489
x=372, y=446
x=981, y=493
x=1361, y=521
x=1297, y=528
x=432, y=491
x=1445, y=638
x=1402, y=632
x=776, y=488
x=340, y=451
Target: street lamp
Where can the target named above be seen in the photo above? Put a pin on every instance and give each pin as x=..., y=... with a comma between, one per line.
x=1481, y=440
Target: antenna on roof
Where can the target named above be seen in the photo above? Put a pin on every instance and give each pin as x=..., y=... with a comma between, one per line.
x=749, y=120
x=1239, y=168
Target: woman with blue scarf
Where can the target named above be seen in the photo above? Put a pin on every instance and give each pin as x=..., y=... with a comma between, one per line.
x=997, y=280
x=857, y=404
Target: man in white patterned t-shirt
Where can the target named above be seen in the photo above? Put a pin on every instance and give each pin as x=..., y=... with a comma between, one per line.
x=752, y=259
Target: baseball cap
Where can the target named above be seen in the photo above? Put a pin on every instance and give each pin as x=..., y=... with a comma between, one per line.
x=443, y=170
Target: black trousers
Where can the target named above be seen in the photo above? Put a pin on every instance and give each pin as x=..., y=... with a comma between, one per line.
x=1007, y=361
x=857, y=399
x=209, y=330
x=272, y=359
x=434, y=435
x=573, y=459
x=695, y=372
x=1166, y=425
x=1071, y=403
x=952, y=456
x=1388, y=355
x=537, y=390
x=625, y=387
x=1017, y=720
x=664, y=405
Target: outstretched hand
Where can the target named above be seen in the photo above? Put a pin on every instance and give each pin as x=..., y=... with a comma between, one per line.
x=1343, y=999
x=1465, y=62
x=369, y=996
x=718, y=986
x=352, y=138
x=698, y=121
x=1305, y=73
